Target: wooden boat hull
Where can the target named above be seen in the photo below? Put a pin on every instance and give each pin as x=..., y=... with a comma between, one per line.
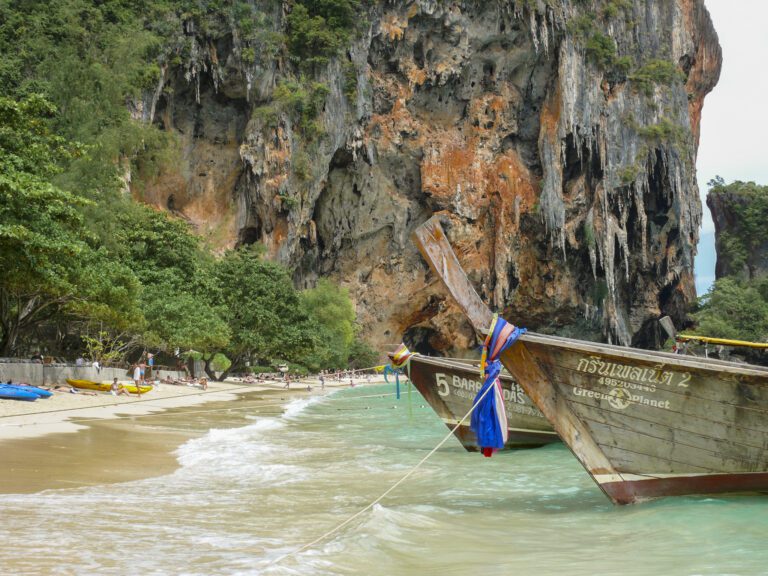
x=644, y=424
x=105, y=386
x=450, y=388
x=652, y=424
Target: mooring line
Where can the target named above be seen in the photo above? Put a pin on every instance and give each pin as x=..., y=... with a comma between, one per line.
x=386, y=493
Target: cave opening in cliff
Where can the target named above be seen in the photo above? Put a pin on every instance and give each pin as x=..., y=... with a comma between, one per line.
x=419, y=339
x=249, y=235
x=572, y=166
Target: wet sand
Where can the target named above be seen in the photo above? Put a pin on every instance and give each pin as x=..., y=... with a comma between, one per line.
x=77, y=440
x=123, y=449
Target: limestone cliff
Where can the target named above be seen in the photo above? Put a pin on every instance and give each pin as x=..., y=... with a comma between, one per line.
x=740, y=211
x=558, y=138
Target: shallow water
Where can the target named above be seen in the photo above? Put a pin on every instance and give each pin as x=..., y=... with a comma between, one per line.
x=258, y=486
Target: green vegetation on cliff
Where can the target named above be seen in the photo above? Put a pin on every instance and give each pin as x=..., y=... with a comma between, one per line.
x=83, y=265
x=319, y=29
x=743, y=234
x=737, y=304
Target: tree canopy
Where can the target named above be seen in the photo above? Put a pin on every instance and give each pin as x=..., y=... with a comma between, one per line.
x=736, y=309
x=79, y=256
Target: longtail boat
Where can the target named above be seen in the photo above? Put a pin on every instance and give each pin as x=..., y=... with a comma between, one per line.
x=450, y=388
x=644, y=424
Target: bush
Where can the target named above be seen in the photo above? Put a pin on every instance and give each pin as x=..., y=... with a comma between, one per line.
x=601, y=49
x=362, y=355
x=301, y=101
x=735, y=309
x=654, y=72
x=664, y=131
x=628, y=174
x=261, y=369
x=319, y=29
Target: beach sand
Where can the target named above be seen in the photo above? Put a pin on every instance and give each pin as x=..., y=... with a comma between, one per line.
x=72, y=440
x=63, y=411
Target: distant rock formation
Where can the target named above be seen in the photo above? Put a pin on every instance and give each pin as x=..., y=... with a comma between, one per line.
x=559, y=139
x=740, y=212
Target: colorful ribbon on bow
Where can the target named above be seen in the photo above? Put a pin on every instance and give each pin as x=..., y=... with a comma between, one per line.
x=489, y=418
x=400, y=356
x=398, y=360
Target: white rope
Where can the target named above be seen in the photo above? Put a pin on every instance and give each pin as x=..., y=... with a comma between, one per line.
x=386, y=493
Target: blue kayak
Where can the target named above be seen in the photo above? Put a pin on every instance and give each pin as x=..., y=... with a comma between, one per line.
x=41, y=393
x=16, y=393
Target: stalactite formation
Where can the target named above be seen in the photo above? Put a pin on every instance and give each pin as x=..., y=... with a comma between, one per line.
x=558, y=138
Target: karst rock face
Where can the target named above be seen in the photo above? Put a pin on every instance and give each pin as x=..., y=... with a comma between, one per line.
x=728, y=204
x=565, y=176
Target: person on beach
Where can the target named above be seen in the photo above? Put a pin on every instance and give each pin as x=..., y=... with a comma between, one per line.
x=137, y=376
x=72, y=390
x=117, y=389
x=96, y=365
x=287, y=382
x=322, y=381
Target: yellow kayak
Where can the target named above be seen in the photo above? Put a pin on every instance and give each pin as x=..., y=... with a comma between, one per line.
x=105, y=386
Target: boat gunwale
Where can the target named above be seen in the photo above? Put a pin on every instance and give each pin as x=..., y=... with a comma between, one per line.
x=459, y=364
x=627, y=352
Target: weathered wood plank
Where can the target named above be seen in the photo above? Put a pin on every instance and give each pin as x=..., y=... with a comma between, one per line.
x=716, y=439
x=659, y=457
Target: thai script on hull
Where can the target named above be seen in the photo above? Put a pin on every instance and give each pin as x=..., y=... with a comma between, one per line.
x=652, y=376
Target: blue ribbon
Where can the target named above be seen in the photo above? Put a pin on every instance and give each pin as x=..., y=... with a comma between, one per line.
x=485, y=422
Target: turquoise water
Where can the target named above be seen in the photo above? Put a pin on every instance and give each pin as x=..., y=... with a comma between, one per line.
x=258, y=487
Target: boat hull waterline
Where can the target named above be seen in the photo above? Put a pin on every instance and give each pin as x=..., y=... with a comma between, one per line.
x=644, y=424
x=450, y=387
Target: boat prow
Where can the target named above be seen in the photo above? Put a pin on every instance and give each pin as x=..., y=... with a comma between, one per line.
x=450, y=387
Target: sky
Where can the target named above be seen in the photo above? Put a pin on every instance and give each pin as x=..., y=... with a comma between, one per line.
x=734, y=122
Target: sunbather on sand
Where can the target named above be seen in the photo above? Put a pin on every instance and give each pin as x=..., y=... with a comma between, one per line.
x=72, y=390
